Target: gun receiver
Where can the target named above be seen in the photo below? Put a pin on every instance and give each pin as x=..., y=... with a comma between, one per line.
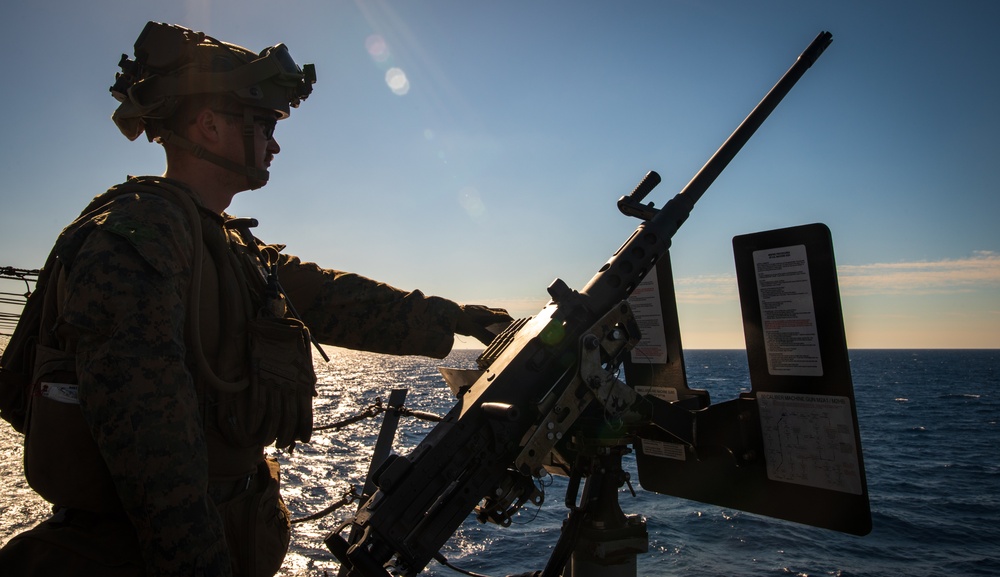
x=550, y=369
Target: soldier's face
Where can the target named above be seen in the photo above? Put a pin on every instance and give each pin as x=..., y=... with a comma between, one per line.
x=264, y=144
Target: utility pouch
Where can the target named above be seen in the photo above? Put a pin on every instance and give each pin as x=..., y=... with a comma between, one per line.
x=282, y=379
x=61, y=460
x=258, y=525
x=276, y=407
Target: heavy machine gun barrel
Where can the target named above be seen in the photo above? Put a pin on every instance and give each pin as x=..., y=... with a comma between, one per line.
x=545, y=373
x=631, y=263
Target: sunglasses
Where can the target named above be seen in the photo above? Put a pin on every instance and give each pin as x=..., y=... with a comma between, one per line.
x=266, y=123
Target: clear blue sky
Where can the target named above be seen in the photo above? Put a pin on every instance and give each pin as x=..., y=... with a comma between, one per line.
x=523, y=122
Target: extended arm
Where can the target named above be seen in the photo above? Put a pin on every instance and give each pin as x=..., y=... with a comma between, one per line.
x=352, y=311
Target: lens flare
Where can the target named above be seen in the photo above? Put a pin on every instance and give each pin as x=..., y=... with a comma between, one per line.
x=377, y=48
x=397, y=81
x=470, y=200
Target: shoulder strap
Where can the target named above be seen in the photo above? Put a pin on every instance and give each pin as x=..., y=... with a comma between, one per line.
x=171, y=191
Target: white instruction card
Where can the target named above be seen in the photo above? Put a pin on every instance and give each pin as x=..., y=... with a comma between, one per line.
x=787, y=311
x=809, y=440
x=647, y=310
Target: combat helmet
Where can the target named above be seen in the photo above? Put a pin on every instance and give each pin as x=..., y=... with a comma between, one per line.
x=173, y=62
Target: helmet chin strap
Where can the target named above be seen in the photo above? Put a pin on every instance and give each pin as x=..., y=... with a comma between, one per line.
x=256, y=177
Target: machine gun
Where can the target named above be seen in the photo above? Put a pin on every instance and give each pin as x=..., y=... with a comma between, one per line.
x=547, y=399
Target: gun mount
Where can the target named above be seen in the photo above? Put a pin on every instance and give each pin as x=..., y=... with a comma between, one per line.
x=546, y=386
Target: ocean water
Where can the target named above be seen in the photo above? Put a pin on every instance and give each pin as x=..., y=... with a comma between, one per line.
x=930, y=436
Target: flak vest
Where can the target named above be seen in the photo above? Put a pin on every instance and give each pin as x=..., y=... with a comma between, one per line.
x=251, y=362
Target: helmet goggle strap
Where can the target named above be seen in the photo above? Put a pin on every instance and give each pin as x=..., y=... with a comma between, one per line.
x=273, y=65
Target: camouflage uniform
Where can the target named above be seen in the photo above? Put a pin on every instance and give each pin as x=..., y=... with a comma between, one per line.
x=122, y=311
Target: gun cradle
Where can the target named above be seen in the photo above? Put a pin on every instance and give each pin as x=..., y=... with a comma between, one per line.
x=600, y=352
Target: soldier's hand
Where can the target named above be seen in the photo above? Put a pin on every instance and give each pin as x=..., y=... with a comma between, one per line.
x=483, y=323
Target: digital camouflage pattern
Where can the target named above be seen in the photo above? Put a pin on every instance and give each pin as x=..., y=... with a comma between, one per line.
x=123, y=307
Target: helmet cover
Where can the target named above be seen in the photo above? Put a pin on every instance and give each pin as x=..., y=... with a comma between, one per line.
x=172, y=62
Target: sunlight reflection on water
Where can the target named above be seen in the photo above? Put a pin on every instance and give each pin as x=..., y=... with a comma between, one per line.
x=318, y=473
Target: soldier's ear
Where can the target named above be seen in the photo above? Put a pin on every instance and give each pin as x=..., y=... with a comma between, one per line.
x=208, y=125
